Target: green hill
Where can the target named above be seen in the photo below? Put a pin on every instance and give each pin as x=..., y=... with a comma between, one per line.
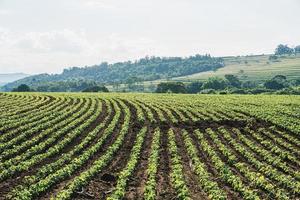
x=254, y=68
x=145, y=69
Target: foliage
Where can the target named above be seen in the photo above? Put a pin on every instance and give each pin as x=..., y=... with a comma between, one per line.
x=273, y=84
x=67, y=141
x=194, y=87
x=233, y=80
x=96, y=89
x=283, y=49
x=215, y=83
x=297, y=49
x=22, y=88
x=273, y=58
x=173, y=87
x=146, y=69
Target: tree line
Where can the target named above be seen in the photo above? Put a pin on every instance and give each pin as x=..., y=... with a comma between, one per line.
x=231, y=84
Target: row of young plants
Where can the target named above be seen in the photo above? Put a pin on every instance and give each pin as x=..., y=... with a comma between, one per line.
x=156, y=109
x=190, y=115
x=266, y=155
x=224, y=170
x=255, y=178
x=20, y=142
x=67, y=164
x=10, y=103
x=64, y=159
x=18, y=99
x=153, y=162
x=37, y=153
x=139, y=111
x=289, y=139
x=148, y=111
x=290, y=142
x=206, y=182
x=29, y=107
x=26, y=124
x=176, y=110
x=98, y=165
x=286, y=181
x=273, y=147
x=270, y=112
x=13, y=112
x=160, y=110
x=176, y=174
x=126, y=173
x=35, y=116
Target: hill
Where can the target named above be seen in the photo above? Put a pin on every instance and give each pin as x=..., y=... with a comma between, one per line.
x=253, y=68
x=145, y=69
x=257, y=68
x=7, y=78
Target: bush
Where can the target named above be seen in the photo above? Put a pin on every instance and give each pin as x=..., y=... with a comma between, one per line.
x=96, y=89
x=290, y=91
x=194, y=87
x=171, y=87
x=215, y=83
x=22, y=88
x=233, y=80
x=273, y=58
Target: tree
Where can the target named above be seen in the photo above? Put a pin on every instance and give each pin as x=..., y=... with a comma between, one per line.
x=215, y=83
x=277, y=82
x=194, y=87
x=297, y=49
x=283, y=49
x=280, y=78
x=274, y=85
x=22, y=88
x=273, y=58
x=174, y=87
x=96, y=89
x=296, y=82
x=233, y=80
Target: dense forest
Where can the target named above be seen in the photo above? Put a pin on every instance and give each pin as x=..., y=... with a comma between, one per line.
x=145, y=69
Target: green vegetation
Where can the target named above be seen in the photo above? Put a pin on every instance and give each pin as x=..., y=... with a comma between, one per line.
x=114, y=146
x=171, y=87
x=96, y=89
x=145, y=69
x=252, y=68
x=22, y=88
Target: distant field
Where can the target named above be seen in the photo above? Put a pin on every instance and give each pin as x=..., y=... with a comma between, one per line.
x=255, y=68
x=149, y=146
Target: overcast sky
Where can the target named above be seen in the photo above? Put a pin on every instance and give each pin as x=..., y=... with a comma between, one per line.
x=38, y=36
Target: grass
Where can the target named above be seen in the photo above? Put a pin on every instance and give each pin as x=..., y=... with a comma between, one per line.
x=253, y=68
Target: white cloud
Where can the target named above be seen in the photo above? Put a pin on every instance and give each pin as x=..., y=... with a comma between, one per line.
x=107, y=4
x=5, y=12
x=118, y=47
x=38, y=52
x=65, y=41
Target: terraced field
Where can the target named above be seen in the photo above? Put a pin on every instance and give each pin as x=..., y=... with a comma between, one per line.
x=149, y=146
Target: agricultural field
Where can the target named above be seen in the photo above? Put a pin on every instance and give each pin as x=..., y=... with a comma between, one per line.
x=149, y=146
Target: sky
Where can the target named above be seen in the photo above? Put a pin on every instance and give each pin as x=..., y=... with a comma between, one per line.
x=46, y=36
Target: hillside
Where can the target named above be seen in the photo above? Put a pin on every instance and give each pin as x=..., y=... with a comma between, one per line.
x=254, y=68
x=145, y=69
x=148, y=72
x=7, y=78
